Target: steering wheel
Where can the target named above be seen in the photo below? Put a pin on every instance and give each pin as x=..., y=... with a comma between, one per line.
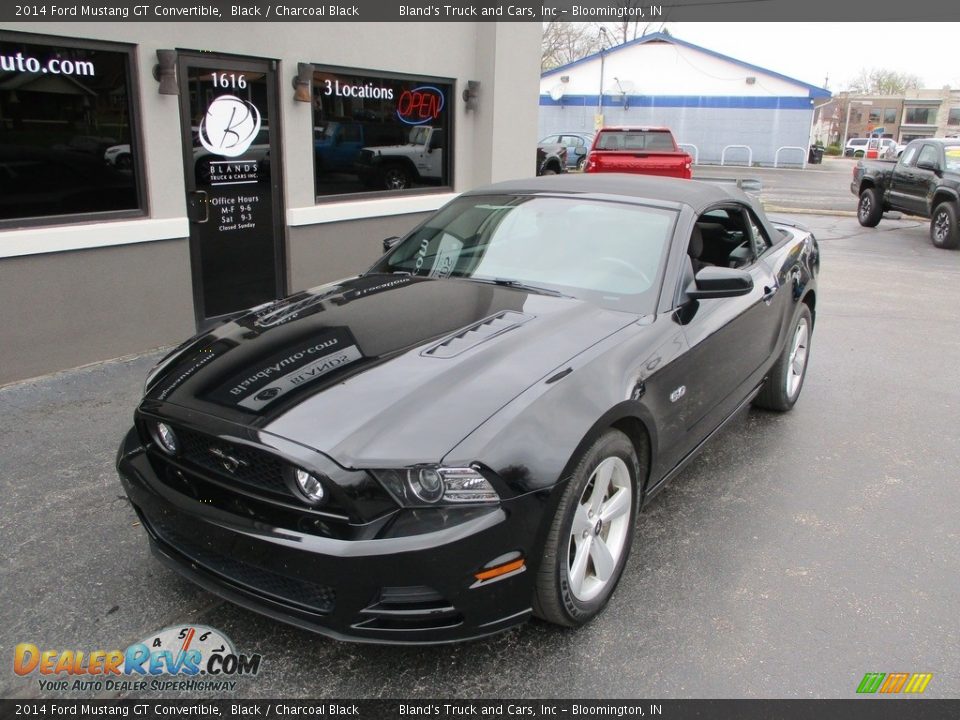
x=628, y=265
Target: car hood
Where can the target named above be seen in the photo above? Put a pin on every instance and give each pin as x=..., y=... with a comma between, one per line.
x=406, y=147
x=380, y=370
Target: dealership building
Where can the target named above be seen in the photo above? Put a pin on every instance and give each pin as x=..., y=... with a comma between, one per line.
x=721, y=109
x=157, y=177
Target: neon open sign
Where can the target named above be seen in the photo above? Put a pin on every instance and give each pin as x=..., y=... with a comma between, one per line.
x=420, y=105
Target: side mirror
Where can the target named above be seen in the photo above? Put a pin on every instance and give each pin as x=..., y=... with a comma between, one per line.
x=720, y=282
x=390, y=243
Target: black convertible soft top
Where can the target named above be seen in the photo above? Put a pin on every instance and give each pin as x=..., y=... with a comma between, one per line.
x=697, y=194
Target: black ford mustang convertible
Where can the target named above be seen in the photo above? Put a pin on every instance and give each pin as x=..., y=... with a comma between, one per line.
x=462, y=436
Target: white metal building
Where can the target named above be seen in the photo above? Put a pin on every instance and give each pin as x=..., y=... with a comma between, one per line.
x=720, y=107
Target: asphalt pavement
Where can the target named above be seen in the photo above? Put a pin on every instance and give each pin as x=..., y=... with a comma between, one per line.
x=797, y=553
x=821, y=188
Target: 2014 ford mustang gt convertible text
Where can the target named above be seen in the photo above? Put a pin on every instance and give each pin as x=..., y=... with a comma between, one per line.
x=462, y=436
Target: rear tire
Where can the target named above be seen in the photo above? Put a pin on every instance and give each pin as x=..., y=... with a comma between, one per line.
x=943, y=226
x=395, y=177
x=783, y=386
x=591, y=534
x=870, y=207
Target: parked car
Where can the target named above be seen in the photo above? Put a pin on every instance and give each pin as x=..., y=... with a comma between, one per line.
x=38, y=181
x=578, y=144
x=119, y=156
x=925, y=181
x=337, y=143
x=859, y=147
x=643, y=150
x=551, y=159
x=462, y=436
x=419, y=161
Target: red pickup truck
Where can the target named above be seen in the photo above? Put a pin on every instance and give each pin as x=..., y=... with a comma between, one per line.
x=641, y=150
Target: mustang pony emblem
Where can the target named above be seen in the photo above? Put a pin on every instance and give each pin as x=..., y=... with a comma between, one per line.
x=229, y=462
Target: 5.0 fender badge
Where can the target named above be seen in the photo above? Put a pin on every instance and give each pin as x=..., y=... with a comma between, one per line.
x=678, y=393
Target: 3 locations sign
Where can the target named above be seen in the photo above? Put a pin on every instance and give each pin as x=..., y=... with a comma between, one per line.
x=380, y=131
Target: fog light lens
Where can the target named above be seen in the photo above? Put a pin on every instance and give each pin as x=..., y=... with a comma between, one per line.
x=311, y=488
x=165, y=438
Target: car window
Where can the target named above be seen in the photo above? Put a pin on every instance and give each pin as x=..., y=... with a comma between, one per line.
x=635, y=140
x=909, y=156
x=607, y=252
x=550, y=139
x=929, y=154
x=761, y=241
x=728, y=237
x=953, y=158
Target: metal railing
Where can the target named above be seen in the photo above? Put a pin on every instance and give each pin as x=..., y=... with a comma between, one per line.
x=803, y=155
x=723, y=153
x=696, y=151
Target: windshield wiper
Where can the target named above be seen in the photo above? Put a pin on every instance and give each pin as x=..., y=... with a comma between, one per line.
x=505, y=282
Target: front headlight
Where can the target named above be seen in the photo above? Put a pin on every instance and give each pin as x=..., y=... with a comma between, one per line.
x=430, y=485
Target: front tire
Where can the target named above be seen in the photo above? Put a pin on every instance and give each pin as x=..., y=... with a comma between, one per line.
x=782, y=388
x=870, y=208
x=943, y=226
x=591, y=534
x=395, y=177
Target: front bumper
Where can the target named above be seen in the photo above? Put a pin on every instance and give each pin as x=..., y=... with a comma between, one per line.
x=412, y=581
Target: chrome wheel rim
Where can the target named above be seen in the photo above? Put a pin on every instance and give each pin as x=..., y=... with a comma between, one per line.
x=941, y=226
x=865, y=206
x=598, y=535
x=798, y=357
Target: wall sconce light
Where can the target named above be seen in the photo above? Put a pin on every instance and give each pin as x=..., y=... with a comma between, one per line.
x=165, y=72
x=303, y=83
x=471, y=94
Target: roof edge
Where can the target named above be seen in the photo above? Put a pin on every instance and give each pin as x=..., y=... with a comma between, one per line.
x=814, y=90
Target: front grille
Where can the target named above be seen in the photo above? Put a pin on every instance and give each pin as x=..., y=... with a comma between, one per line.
x=315, y=597
x=255, y=468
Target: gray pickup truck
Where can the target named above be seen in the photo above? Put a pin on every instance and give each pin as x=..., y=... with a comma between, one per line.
x=925, y=181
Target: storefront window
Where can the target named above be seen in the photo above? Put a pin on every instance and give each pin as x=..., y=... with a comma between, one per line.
x=67, y=144
x=920, y=116
x=380, y=132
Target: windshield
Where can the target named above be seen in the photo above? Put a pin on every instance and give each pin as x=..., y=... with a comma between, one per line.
x=418, y=135
x=952, y=153
x=606, y=252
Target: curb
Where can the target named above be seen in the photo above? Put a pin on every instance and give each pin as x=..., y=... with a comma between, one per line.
x=809, y=211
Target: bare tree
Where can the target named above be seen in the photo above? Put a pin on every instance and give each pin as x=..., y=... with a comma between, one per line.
x=884, y=82
x=564, y=42
x=626, y=30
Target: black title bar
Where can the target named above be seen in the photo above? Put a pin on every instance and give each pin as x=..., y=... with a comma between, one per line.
x=856, y=709
x=860, y=11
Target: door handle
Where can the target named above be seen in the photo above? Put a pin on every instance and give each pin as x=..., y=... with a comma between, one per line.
x=768, y=293
x=198, y=206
